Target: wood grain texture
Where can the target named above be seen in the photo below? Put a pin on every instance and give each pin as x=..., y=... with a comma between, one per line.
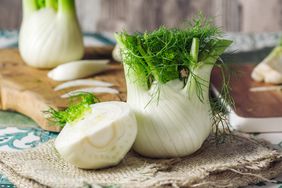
x=29, y=91
x=250, y=104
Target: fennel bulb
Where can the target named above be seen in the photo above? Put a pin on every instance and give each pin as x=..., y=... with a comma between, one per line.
x=168, y=76
x=50, y=34
x=101, y=138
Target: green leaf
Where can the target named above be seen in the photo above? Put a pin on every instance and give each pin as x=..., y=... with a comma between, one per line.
x=41, y=4
x=217, y=47
x=162, y=55
x=79, y=106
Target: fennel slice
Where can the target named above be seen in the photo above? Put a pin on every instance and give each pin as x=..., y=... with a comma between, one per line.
x=78, y=69
x=95, y=90
x=83, y=82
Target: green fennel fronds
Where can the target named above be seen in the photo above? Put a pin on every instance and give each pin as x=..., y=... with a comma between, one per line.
x=221, y=104
x=79, y=105
x=162, y=54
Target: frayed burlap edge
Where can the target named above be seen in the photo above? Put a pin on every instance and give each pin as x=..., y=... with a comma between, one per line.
x=263, y=169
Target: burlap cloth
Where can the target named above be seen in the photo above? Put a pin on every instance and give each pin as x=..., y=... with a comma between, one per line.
x=235, y=163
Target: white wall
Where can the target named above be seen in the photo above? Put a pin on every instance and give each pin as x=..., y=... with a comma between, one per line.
x=139, y=15
x=11, y=14
x=88, y=13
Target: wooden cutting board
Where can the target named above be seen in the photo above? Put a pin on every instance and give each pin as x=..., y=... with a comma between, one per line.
x=29, y=91
x=254, y=111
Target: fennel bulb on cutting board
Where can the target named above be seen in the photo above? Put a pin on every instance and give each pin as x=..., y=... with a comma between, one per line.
x=50, y=33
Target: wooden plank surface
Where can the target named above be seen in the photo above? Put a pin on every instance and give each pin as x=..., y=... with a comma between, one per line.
x=250, y=104
x=29, y=91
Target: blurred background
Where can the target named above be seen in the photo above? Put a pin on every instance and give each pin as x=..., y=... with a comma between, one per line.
x=140, y=15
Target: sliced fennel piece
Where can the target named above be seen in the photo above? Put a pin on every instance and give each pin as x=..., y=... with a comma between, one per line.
x=83, y=82
x=101, y=139
x=50, y=35
x=78, y=69
x=270, y=69
x=95, y=90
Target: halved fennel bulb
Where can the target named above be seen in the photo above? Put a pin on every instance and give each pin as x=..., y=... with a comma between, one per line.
x=101, y=139
x=49, y=37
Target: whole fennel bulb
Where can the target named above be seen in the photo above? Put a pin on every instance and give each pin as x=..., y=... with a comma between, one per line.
x=50, y=33
x=168, y=76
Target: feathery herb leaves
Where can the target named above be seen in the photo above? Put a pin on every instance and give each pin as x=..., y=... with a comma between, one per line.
x=79, y=105
x=162, y=54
